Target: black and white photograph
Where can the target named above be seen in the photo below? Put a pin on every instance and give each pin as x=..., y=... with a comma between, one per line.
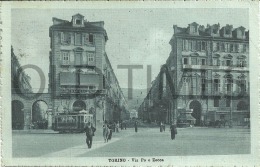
x=137, y=85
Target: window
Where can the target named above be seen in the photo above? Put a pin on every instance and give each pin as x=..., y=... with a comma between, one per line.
x=241, y=63
x=91, y=57
x=185, y=44
x=194, y=61
x=78, y=39
x=185, y=60
x=203, y=46
x=91, y=38
x=192, y=29
x=244, y=48
x=227, y=49
x=203, y=61
x=232, y=48
x=228, y=102
x=228, y=63
x=203, y=85
x=65, y=58
x=236, y=47
x=229, y=85
x=190, y=45
x=222, y=47
x=65, y=38
x=199, y=45
x=217, y=46
x=216, y=102
x=216, y=85
x=193, y=46
x=242, y=86
x=216, y=62
x=78, y=22
x=78, y=58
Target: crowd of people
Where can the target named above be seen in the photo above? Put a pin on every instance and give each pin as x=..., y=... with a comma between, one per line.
x=109, y=128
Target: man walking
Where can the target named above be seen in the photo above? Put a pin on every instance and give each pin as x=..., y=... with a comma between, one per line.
x=173, y=131
x=90, y=130
x=136, y=126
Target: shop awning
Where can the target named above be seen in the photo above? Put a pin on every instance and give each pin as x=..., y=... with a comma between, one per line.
x=68, y=78
x=89, y=79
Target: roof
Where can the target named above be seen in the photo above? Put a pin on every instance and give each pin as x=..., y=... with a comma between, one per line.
x=87, y=27
x=204, y=32
x=78, y=15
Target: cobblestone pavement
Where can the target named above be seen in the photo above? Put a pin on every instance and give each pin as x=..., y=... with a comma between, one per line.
x=147, y=142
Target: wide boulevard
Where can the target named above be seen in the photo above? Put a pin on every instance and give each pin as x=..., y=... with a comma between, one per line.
x=146, y=142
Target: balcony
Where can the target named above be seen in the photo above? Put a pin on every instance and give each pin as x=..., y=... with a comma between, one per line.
x=208, y=67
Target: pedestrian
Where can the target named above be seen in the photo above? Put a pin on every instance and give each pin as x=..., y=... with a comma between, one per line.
x=164, y=127
x=90, y=130
x=117, y=127
x=125, y=125
x=105, y=132
x=110, y=131
x=173, y=131
x=121, y=125
x=136, y=129
x=161, y=127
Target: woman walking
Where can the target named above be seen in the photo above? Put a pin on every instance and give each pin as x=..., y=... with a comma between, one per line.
x=105, y=132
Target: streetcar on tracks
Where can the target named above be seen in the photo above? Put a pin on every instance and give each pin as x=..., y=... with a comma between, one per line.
x=71, y=122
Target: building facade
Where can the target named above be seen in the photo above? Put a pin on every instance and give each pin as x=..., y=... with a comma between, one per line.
x=209, y=67
x=81, y=76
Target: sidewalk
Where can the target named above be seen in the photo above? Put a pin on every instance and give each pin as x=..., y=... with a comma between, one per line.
x=98, y=142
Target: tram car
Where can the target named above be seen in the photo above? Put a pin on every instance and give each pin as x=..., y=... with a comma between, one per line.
x=71, y=122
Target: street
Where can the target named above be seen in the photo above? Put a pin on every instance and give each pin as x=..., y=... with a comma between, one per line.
x=146, y=142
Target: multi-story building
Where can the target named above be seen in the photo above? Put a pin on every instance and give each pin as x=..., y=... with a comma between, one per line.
x=81, y=76
x=209, y=67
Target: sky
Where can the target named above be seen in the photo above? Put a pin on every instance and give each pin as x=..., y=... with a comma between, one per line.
x=135, y=36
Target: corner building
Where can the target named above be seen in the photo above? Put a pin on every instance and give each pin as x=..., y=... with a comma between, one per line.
x=210, y=69
x=81, y=76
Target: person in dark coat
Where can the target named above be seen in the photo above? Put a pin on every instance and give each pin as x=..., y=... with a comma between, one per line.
x=110, y=126
x=173, y=131
x=121, y=125
x=90, y=130
x=136, y=129
x=161, y=127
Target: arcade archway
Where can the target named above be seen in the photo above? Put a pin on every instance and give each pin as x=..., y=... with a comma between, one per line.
x=17, y=115
x=39, y=115
x=196, y=107
x=79, y=105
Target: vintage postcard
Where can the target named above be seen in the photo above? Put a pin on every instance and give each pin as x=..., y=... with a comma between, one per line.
x=129, y=83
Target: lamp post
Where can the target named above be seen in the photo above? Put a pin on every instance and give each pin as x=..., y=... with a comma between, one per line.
x=49, y=117
x=103, y=105
x=230, y=124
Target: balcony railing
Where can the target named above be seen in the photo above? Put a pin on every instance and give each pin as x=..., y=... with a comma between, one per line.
x=208, y=67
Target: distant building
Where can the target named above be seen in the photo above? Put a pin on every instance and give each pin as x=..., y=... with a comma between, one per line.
x=133, y=114
x=209, y=67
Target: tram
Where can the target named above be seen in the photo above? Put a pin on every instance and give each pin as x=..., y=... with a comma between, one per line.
x=71, y=122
